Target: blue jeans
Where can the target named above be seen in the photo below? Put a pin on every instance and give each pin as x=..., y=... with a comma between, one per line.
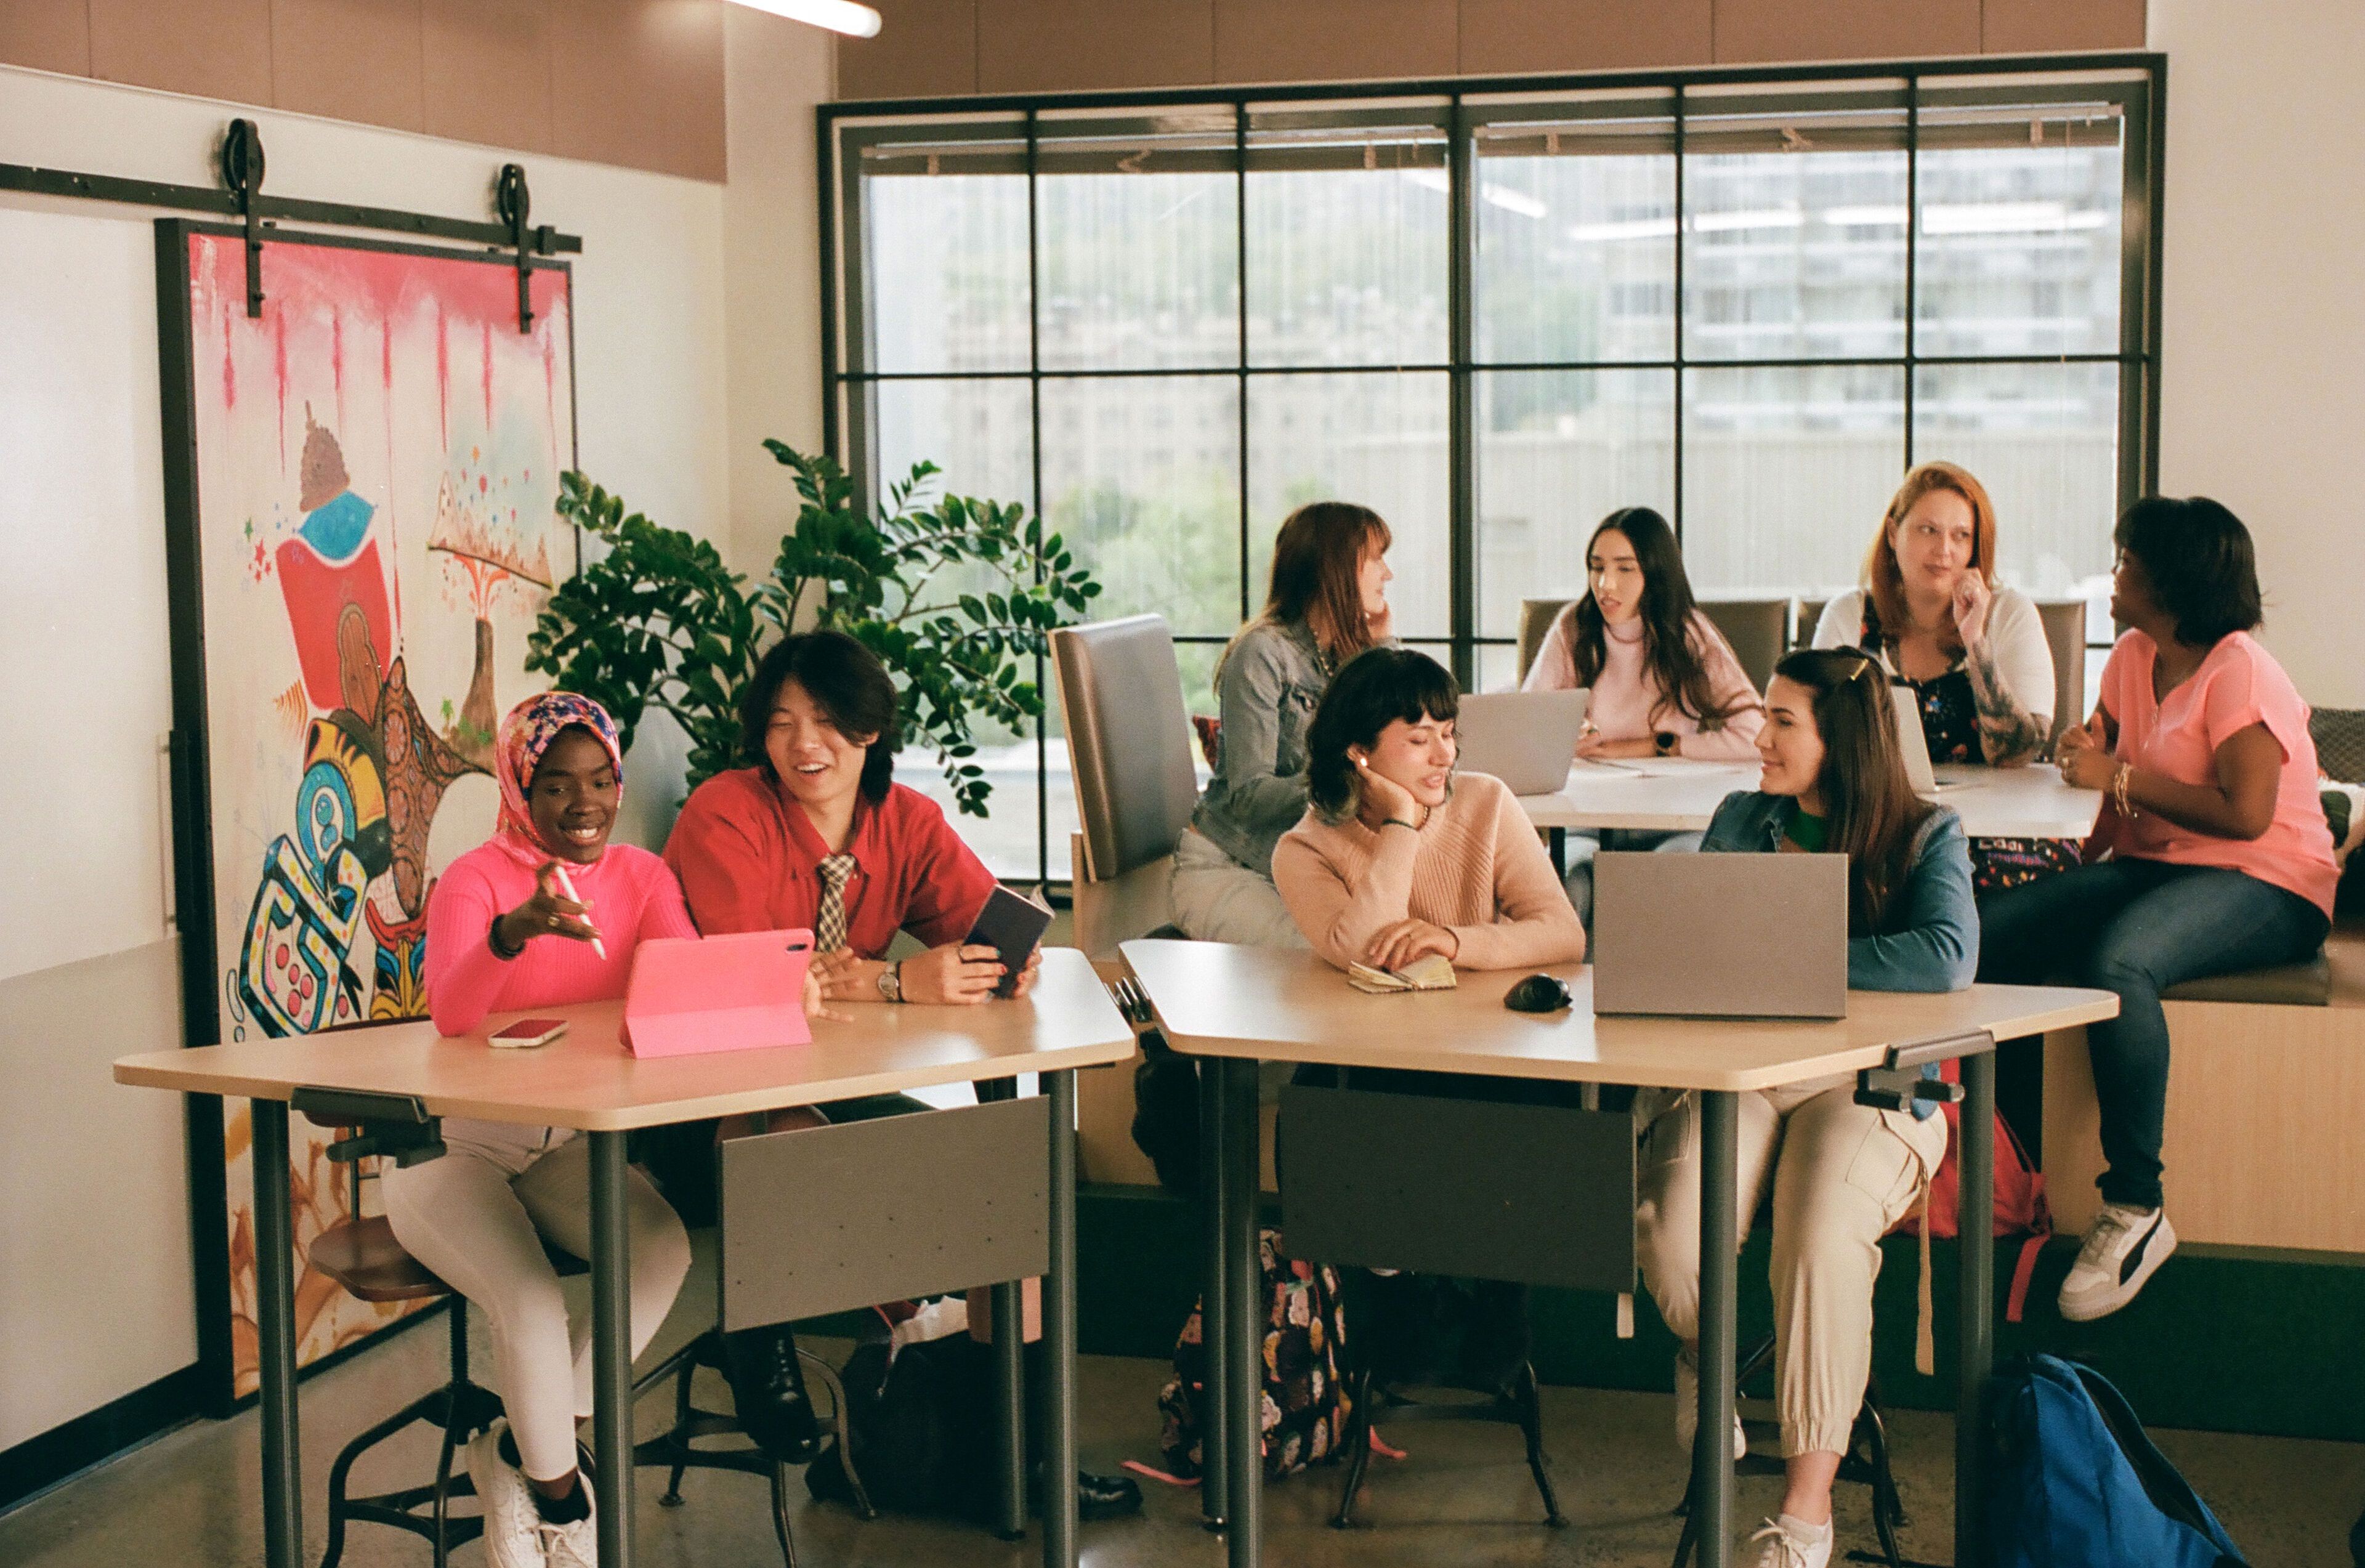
x=2136, y=927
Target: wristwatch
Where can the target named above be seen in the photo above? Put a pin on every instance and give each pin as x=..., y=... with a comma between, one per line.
x=891, y=983
x=1665, y=743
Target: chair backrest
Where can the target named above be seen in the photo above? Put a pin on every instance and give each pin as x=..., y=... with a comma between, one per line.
x=1536, y=616
x=1128, y=740
x=1810, y=616
x=1758, y=628
x=2065, y=633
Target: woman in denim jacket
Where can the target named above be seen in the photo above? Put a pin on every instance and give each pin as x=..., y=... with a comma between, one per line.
x=1842, y=1173
x=1326, y=602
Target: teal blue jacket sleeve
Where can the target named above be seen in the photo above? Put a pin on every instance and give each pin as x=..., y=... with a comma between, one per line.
x=1937, y=946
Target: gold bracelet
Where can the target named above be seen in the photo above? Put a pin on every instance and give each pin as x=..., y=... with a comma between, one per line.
x=2119, y=790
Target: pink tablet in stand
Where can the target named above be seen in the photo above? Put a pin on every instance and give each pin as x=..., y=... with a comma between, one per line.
x=722, y=993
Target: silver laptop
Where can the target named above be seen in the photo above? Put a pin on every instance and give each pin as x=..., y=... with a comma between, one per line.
x=1912, y=741
x=1527, y=739
x=1721, y=935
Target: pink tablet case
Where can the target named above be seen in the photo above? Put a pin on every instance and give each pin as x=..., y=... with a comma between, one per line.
x=723, y=993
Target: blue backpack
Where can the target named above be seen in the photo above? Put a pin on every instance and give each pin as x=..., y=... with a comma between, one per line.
x=2073, y=1483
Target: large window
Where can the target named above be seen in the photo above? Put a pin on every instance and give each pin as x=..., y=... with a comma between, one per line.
x=1496, y=317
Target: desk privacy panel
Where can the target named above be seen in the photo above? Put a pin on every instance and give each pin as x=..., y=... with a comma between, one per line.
x=359, y=490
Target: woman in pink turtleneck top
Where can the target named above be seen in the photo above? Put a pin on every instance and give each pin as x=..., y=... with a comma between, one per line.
x=502, y=935
x=1664, y=679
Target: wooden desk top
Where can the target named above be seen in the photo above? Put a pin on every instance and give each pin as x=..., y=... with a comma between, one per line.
x=1678, y=795
x=1275, y=1004
x=590, y=1081
x=1662, y=795
x=2018, y=802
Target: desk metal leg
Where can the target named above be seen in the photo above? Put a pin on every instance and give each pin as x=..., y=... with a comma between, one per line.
x=1059, y=1332
x=1213, y=1478
x=1009, y=1305
x=1719, y=1242
x=275, y=1292
x=611, y=1350
x=1244, y=1325
x=1976, y=1195
x=1559, y=839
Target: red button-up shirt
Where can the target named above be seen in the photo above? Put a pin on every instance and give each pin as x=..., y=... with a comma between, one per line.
x=746, y=855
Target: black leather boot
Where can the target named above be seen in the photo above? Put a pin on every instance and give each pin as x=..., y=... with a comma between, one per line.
x=1106, y=1496
x=767, y=1390
x=1097, y=1497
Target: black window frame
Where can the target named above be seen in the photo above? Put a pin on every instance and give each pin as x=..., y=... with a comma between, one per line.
x=2134, y=82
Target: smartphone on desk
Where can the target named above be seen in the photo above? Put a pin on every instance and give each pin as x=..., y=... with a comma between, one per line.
x=528, y=1032
x=1010, y=927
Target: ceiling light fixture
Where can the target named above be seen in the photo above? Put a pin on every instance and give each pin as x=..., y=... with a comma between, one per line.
x=838, y=15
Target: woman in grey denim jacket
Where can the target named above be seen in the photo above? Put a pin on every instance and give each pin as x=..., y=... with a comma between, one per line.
x=1326, y=603
x=1842, y=1174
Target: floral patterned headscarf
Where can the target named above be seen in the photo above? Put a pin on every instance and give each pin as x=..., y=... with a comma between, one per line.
x=525, y=734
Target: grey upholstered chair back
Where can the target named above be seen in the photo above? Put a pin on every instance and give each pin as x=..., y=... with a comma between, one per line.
x=1758, y=628
x=1805, y=619
x=2065, y=634
x=1128, y=740
x=1536, y=616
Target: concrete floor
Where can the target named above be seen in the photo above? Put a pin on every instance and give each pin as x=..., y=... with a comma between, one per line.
x=1462, y=1495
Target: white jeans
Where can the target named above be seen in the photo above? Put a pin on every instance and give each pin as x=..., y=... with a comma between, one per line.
x=477, y=1218
x=1217, y=898
x=1842, y=1174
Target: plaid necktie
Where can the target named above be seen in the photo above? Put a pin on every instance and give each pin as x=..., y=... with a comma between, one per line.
x=829, y=921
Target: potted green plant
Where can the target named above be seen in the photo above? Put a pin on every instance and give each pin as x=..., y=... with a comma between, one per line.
x=956, y=596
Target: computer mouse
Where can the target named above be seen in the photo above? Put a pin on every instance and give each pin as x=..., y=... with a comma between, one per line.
x=1537, y=993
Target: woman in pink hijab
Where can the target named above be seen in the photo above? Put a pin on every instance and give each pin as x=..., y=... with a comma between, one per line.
x=511, y=925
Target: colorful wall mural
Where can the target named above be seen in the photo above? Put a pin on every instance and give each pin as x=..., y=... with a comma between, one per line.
x=376, y=455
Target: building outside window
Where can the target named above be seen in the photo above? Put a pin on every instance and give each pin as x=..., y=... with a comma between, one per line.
x=1496, y=317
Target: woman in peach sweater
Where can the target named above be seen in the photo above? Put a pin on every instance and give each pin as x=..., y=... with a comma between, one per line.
x=1396, y=856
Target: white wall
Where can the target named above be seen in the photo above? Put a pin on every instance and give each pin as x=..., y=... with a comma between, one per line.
x=83, y=830
x=778, y=73
x=2263, y=358
x=83, y=834
x=662, y=345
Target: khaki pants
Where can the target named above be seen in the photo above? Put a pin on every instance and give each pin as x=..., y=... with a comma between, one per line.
x=1843, y=1175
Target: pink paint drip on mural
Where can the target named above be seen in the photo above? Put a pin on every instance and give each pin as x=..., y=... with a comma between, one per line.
x=550, y=392
x=279, y=361
x=385, y=376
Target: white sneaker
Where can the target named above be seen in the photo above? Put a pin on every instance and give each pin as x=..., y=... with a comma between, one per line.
x=512, y=1528
x=575, y=1545
x=1786, y=1543
x=2127, y=1246
x=1688, y=1406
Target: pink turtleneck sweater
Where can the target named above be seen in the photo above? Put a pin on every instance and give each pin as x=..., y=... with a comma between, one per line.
x=1627, y=703
x=1475, y=867
x=632, y=896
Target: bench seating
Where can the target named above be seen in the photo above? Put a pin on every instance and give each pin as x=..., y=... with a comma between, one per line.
x=2336, y=972
x=2285, y=985
x=2262, y=1103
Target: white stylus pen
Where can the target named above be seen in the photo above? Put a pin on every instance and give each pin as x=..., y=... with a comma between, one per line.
x=567, y=886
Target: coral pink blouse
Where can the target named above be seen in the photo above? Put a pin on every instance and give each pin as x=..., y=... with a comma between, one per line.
x=2238, y=684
